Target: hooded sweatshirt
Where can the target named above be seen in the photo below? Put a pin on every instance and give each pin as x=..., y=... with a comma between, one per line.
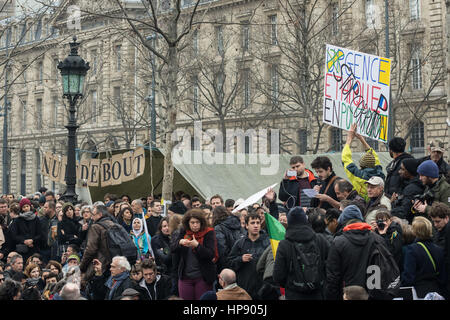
x=344, y=267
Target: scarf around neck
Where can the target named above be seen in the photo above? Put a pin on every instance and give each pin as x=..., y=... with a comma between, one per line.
x=200, y=236
x=28, y=216
x=115, y=281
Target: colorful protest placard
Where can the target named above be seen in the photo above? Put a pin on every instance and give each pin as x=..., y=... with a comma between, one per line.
x=356, y=90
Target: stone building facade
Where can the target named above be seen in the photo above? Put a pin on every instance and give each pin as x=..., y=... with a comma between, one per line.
x=240, y=55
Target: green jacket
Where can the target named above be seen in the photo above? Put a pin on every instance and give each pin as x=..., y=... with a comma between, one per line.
x=441, y=192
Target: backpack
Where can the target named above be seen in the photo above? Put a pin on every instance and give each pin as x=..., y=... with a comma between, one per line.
x=305, y=267
x=119, y=242
x=382, y=272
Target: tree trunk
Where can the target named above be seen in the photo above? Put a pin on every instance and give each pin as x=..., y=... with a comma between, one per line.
x=167, y=187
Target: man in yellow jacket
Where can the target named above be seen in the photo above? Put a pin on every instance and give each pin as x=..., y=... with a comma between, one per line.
x=369, y=163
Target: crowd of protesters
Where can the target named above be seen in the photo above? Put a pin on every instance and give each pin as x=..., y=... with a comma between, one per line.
x=207, y=250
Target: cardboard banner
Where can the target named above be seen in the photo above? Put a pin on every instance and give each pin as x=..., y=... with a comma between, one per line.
x=356, y=90
x=104, y=172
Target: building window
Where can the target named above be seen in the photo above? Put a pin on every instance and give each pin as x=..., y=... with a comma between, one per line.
x=40, y=70
x=302, y=141
x=245, y=36
x=38, y=169
x=24, y=116
x=38, y=30
x=23, y=33
x=336, y=139
x=55, y=111
x=247, y=145
x=414, y=9
x=195, y=42
x=23, y=172
x=118, y=50
x=370, y=14
x=219, y=37
x=195, y=90
x=274, y=82
x=39, y=114
x=94, y=109
x=220, y=82
x=118, y=103
x=273, y=30
x=416, y=68
x=417, y=137
x=372, y=143
x=246, y=89
x=94, y=60
x=334, y=19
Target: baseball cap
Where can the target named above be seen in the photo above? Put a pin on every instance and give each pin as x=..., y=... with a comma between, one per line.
x=437, y=145
x=375, y=181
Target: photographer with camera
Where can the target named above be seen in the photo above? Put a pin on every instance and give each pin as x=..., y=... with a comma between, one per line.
x=390, y=231
x=436, y=187
x=403, y=201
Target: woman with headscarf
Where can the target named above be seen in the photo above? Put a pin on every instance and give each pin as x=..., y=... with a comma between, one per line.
x=68, y=229
x=140, y=239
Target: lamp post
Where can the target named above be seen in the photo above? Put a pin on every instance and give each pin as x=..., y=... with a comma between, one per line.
x=73, y=71
x=152, y=97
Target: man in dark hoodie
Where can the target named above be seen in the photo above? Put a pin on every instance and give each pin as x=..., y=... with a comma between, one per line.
x=394, y=181
x=299, y=233
x=344, y=263
x=245, y=255
x=401, y=207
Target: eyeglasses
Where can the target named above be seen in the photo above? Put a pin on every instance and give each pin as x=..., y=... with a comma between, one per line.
x=2, y=279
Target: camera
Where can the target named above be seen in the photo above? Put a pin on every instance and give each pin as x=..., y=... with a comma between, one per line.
x=380, y=224
x=427, y=196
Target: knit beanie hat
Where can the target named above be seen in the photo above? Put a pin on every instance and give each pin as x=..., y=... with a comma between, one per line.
x=350, y=212
x=23, y=202
x=297, y=216
x=367, y=160
x=73, y=256
x=411, y=166
x=428, y=169
x=397, y=144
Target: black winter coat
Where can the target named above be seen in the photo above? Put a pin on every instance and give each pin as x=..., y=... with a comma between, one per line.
x=247, y=277
x=402, y=206
x=162, y=285
x=161, y=249
x=394, y=183
x=204, y=253
x=418, y=269
x=344, y=260
x=101, y=292
x=21, y=229
x=227, y=233
x=393, y=240
x=282, y=272
x=69, y=231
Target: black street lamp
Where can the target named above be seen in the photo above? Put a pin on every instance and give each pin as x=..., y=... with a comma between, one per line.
x=73, y=71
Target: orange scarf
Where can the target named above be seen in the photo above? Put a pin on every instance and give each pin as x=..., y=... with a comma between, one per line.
x=200, y=236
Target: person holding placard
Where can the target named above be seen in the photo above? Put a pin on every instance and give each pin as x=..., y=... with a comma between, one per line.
x=370, y=165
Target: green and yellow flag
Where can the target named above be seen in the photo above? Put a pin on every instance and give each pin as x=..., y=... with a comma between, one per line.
x=276, y=232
